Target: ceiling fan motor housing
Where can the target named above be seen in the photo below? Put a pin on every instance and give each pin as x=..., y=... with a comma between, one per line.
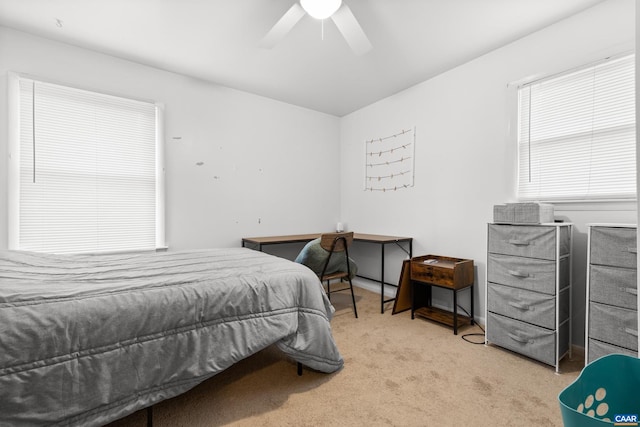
x=320, y=9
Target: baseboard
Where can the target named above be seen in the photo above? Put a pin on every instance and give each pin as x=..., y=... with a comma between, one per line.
x=373, y=286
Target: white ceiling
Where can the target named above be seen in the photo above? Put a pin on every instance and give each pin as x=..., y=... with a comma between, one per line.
x=217, y=40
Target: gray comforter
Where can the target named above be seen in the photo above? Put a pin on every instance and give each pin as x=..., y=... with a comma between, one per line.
x=86, y=339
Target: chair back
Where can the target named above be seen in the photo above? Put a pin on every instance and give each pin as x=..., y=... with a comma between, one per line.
x=336, y=242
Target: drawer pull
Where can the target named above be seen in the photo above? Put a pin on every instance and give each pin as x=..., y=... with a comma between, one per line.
x=519, y=339
x=633, y=250
x=630, y=331
x=519, y=306
x=632, y=291
x=518, y=273
x=518, y=242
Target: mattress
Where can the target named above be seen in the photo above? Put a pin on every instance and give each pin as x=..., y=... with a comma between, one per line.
x=87, y=339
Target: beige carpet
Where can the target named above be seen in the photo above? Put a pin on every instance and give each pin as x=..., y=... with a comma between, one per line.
x=397, y=372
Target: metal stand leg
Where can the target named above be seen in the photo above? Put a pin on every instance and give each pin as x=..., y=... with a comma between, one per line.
x=299, y=369
x=413, y=302
x=471, y=290
x=150, y=416
x=455, y=312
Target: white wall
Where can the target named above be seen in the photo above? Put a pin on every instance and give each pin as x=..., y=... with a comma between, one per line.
x=465, y=153
x=264, y=161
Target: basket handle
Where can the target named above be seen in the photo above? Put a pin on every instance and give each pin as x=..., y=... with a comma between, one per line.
x=518, y=242
x=519, y=274
x=632, y=291
x=520, y=306
x=519, y=338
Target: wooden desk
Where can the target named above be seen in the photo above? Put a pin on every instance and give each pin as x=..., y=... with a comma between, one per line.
x=381, y=240
x=276, y=240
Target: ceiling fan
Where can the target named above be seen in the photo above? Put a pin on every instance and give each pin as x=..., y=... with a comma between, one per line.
x=338, y=11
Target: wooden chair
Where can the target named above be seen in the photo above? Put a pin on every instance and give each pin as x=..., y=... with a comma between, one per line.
x=337, y=244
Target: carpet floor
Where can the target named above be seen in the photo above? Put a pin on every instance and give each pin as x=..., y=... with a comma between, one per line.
x=397, y=372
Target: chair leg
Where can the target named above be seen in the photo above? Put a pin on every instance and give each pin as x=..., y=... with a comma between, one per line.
x=149, y=416
x=353, y=298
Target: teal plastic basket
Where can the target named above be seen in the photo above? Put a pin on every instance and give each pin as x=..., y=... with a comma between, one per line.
x=607, y=392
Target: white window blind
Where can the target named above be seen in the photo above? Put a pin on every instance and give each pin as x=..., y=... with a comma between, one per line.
x=87, y=171
x=576, y=134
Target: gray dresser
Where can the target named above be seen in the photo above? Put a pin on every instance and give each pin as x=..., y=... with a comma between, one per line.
x=528, y=296
x=612, y=289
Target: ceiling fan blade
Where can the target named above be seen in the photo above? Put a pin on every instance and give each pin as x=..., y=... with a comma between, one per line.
x=351, y=30
x=283, y=26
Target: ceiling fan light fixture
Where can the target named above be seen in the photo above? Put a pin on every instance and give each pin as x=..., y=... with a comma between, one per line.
x=320, y=9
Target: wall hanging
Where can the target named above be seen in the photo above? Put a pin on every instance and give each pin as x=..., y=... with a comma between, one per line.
x=389, y=161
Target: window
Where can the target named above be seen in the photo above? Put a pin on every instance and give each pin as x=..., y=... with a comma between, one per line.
x=85, y=171
x=576, y=134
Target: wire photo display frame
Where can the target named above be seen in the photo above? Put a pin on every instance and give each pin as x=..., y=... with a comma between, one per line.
x=389, y=161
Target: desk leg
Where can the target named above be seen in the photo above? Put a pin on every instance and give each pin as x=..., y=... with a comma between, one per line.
x=382, y=280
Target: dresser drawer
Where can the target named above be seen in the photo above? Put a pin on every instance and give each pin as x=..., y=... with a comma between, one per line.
x=614, y=286
x=597, y=349
x=527, y=241
x=614, y=246
x=526, y=273
x=524, y=338
x=528, y=306
x=613, y=325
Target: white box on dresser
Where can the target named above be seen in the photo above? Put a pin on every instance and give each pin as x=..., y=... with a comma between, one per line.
x=611, y=321
x=528, y=294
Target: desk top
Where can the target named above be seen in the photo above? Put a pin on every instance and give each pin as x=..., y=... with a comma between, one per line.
x=293, y=238
x=377, y=238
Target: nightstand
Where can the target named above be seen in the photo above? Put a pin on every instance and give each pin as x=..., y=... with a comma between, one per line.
x=455, y=274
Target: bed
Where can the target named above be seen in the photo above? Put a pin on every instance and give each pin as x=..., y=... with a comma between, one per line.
x=87, y=339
